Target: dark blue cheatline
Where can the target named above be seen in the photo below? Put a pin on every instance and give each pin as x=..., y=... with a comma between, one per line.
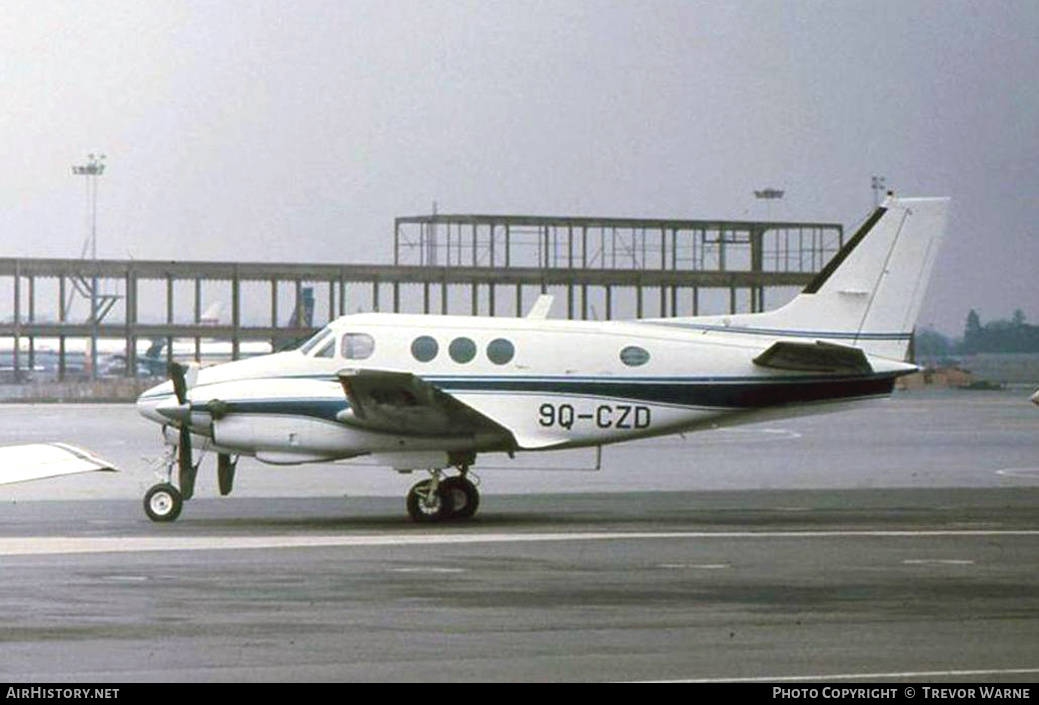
x=693, y=393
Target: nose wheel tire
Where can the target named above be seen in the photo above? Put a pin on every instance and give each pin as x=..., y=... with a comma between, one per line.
x=163, y=503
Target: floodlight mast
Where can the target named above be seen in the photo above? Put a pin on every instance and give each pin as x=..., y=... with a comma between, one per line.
x=878, y=184
x=768, y=195
x=94, y=168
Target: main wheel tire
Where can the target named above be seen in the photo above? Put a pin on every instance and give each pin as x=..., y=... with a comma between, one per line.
x=163, y=503
x=426, y=506
x=465, y=498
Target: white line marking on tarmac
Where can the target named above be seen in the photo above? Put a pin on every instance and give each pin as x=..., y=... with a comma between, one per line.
x=1026, y=473
x=937, y=561
x=712, y=437
x=863, y=676
x=27, y=546
x=694, y=566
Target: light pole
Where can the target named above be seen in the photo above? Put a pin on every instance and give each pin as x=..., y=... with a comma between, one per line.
x=94, y=168
x=768, y=195
x=878, y=185
x=757, y=247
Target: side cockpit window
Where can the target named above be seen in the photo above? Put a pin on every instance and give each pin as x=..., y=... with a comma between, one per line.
x=357, y=346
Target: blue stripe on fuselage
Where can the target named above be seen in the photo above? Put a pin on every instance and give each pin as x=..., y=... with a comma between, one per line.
x=724, y=395
x=782, y=333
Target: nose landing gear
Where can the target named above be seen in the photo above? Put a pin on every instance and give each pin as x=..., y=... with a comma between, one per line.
x=164, y=502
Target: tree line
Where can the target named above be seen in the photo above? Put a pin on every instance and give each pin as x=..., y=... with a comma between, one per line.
x=998, y=336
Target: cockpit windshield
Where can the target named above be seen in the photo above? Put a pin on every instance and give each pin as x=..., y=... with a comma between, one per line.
x=320, y=336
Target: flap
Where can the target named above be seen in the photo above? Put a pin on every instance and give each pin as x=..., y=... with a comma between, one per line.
x=814, y=357
x=400, y=402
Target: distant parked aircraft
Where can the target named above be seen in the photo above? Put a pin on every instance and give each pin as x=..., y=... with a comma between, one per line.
x=152, y=359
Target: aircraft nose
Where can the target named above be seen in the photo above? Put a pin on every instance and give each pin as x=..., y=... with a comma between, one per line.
x=150, y=399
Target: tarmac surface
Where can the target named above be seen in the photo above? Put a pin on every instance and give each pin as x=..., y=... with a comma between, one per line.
x=772, y=581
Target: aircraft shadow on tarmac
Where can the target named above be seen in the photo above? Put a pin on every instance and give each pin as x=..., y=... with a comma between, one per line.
x=685, y=511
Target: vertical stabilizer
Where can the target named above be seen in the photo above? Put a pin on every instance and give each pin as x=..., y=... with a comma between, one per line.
x=872, y=290
x=870, y=293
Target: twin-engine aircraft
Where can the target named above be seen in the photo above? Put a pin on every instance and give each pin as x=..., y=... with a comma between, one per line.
x=431, y=393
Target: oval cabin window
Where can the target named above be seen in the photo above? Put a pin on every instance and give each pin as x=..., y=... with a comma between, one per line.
x=462, y=350
x=634, y=356
x=424, y=348
x=500, y=351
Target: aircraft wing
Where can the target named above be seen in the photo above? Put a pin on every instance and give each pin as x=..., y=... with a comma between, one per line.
x=814, y=357
x=400, y=402
x=36, y=461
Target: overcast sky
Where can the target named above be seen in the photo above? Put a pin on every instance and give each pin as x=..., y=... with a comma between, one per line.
x=298, y=130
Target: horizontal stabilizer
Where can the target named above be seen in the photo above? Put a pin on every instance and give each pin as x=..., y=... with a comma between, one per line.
x=36, y=461
x=814, y=357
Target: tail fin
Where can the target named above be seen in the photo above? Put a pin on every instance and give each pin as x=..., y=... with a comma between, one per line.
x=304, y=305
x=870, y=293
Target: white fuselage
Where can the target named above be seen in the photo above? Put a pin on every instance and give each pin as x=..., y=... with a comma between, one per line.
x=566, y=384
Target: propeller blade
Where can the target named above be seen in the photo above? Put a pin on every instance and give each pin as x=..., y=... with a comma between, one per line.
x=225, y=473
x=180, y=385
x=187, y=470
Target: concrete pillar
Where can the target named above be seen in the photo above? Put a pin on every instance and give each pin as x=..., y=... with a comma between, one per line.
x=198, y=318
x=169, y=317
x=61, y=319
x=236, y=314
x=16, y=352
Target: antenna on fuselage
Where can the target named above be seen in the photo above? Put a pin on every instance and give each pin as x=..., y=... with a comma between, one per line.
x=540, y=310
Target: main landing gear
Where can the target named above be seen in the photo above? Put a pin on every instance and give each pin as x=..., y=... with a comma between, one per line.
x=443, y=498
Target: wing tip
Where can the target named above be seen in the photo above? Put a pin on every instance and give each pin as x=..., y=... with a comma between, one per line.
x=85, y=455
